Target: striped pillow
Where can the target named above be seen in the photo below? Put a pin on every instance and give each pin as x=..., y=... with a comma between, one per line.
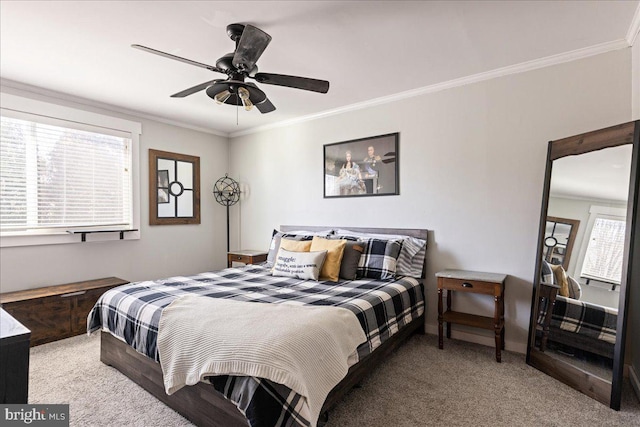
x=379, y=259
x=411, y=258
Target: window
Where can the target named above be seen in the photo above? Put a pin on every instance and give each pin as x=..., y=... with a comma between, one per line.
x=605, y=251
x=59, y=175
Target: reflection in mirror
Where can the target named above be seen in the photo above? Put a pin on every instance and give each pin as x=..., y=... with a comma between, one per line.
x=559, y=237
x=589, y=189
x=576, y=330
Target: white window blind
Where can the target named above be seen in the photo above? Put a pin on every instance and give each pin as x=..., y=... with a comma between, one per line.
x=605, y=251
x=57, y=174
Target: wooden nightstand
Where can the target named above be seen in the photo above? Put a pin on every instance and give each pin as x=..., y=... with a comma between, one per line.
x=246, y=257
x=474, y=282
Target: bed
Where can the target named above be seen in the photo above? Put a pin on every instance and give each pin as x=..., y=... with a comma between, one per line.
x=389, y=312
x=581, y=324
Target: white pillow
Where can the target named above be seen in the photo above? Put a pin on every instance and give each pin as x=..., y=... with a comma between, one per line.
x=301, y=265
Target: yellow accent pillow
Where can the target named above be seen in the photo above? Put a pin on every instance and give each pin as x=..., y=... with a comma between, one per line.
x=295, y=245
x=561, y=279
x=331, y=267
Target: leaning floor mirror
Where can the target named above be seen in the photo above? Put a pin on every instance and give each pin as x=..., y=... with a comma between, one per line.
x=587, y=259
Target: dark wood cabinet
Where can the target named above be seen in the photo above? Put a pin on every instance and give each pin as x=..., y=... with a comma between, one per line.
x=56, y=312
x=14, y=360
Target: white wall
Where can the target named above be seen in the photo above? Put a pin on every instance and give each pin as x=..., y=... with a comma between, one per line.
x=471, y=170
x=162, y=251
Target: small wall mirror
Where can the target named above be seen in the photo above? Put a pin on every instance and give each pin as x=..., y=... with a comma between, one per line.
x=559, y=237
x=174, y=188
x=584, y=259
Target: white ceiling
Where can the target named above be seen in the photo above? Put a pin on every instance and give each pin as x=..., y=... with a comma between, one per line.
x=367, y=50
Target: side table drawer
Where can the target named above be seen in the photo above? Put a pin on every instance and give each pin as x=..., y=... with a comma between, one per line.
x=245, y=259
x=475, y=286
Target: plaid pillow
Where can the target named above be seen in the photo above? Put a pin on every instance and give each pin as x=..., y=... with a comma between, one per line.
x=411, y=258
x=546, y=273
x=379, y=259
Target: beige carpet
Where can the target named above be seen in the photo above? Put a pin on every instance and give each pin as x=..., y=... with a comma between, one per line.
x=419, y=385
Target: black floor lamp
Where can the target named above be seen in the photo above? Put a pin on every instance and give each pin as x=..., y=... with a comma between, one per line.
x=227, y=192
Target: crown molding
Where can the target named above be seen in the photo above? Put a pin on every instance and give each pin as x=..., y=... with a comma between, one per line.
x=23, y=87
x=634, y=28
x=475, y=78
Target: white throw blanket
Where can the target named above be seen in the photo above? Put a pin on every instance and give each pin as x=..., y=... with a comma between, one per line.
x=309, y=349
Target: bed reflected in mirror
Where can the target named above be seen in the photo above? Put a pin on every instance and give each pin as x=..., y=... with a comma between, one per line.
x=583, y=251
x=590, y=189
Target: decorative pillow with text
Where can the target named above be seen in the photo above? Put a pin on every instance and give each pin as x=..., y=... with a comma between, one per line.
x=301, y=265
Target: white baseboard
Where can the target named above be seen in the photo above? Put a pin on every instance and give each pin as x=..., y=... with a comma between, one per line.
x=635, y=382
x=479, y=339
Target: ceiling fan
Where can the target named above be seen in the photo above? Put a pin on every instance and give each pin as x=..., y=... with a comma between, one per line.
x=238, y=65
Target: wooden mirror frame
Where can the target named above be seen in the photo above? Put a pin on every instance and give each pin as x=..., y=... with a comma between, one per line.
x=606, y=392
x=154, y=217
x=574, y=224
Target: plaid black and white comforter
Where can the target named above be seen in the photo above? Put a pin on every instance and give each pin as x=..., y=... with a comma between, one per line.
x=587, y=319
x=132, y=313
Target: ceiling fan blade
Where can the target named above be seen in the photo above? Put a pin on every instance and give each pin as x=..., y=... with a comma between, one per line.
x=265, y=106
x=177, y=58
x=251, y=45
x=304, y=83
x=194, y=89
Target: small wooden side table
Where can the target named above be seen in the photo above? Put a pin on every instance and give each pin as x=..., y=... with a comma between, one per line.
x=474, y=282
x=245, y=256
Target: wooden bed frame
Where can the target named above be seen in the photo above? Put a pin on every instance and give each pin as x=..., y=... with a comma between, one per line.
x=573, y=339
x=203, y=405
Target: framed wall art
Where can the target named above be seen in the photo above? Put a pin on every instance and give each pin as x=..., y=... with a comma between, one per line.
x=362, y=167
x=174, y=188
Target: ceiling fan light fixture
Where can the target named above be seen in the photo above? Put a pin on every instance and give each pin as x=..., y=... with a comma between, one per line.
x=222, y=96
x=243, y=93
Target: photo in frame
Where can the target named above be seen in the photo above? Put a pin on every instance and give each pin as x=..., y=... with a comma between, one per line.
x=174, y=188
x=362, y=167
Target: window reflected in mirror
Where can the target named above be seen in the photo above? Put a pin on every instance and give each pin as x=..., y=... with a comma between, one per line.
x=583, y=252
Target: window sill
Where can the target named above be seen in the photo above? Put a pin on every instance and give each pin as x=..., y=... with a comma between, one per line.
x=61, y=237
